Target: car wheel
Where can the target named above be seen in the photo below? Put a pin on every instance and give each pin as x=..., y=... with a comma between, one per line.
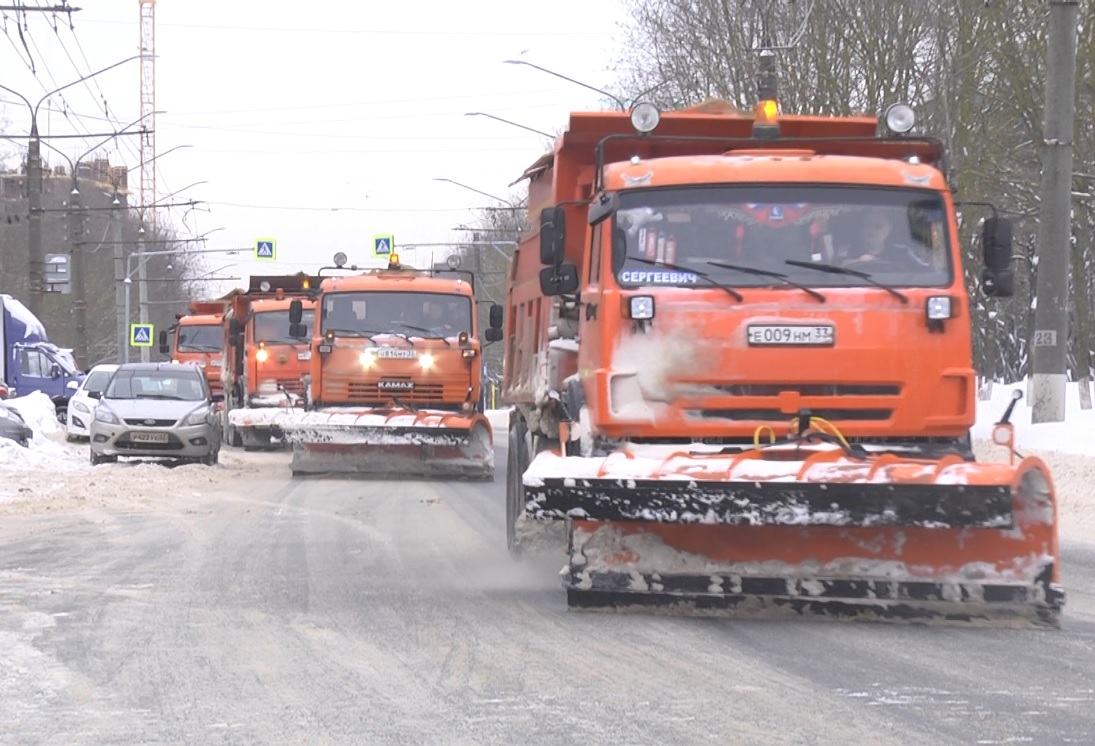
x=213, y=458
x=96, y=459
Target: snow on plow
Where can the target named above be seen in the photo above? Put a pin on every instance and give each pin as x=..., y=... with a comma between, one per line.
x=256, y=425
x=806, y=530
x=390, y=442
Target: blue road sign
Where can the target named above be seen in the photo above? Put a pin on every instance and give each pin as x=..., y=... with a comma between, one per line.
x=266, y=248
x=383, y=245
x=140, y=335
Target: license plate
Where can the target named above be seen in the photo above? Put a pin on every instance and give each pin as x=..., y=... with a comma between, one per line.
x=149, y=437
x=790, y=335
x=396, y=353
x=215, y=363
x=304, y=355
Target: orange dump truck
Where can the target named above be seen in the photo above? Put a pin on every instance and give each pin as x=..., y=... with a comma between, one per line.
x=394, y=386
x=736, y=401
x=264, y=367
x=198, y=337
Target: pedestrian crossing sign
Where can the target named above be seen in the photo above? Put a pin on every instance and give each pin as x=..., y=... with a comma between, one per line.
x=266, y=249
x=383, y=245
x=140, y=335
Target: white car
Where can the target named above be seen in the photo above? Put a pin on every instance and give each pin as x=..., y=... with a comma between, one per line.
x=81, y=407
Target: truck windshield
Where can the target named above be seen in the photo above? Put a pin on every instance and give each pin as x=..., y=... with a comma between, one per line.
x=411, y=314
x=200, y=338
x=67, y=362
x=272, y=327
x=898, y=236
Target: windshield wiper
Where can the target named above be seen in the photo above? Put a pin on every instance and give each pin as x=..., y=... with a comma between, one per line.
x=369, y=334
x=197, y=348
x=768, y=273
x=692, y=270
x=835, y=270
x=430, y=334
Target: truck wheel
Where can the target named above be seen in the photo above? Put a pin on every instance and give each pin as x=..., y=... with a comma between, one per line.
x=516, y=462
x=231, y=435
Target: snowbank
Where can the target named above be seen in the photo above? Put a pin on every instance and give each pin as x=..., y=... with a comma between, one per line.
x=1075, y=435
x=47, y=448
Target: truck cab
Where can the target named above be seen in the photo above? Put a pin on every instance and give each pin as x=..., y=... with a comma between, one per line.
x=198, y=338
x=30, y=361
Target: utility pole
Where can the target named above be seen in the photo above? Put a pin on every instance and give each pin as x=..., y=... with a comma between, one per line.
x=79, y=286
x=142, y=287
x=121, y=289
x=1055, y=221
x=37, y=287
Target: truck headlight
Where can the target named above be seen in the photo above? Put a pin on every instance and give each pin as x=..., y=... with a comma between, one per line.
x=262, y=355
x=367, y=358
x=425, y=360
x=939, y=308
x=641, y=307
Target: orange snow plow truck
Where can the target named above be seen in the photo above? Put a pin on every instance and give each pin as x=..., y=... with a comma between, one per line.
x=199, y=339
x=394, y=387
x=264, y=367
x=739, y=354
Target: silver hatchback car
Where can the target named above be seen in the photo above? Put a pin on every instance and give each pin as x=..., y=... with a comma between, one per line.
x=156, y=410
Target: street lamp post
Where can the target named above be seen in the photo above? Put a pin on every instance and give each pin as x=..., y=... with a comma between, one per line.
x=127, y=281
x=36, y=259
x=477, y=191
x=623, y=107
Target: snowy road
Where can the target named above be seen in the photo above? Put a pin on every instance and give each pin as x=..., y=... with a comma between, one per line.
x=271, y=611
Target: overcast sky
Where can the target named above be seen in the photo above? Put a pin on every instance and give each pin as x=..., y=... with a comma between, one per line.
x=294, y=109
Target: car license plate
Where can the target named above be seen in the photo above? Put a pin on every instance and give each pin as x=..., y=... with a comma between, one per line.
x=304, y=355
x=790, y=335
x=149, y=437
x=215, y=363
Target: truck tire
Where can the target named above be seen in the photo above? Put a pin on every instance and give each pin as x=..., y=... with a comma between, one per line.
x=517, y=462
x=231, y=436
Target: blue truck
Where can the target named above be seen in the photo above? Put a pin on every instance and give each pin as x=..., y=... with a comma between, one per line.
x=30, y=361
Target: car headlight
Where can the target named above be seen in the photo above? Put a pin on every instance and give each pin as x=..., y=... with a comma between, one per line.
x=79, y=406
x=198, y=417
x=102, y=414
x=425, y=360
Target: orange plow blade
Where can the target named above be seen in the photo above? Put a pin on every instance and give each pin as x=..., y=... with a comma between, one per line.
x=806, y=530
x=390, y=442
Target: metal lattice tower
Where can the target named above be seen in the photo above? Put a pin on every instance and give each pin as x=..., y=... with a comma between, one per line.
x=148, y=117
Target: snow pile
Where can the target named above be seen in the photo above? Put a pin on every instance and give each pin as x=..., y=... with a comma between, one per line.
x=47, y=446
x=1075, y=435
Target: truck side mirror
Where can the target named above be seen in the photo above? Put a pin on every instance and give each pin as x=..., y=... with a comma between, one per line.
x=493, y=334
x=552, y=235
x=164, y=347
x=559, y=280
x=997, y=278
x=296, y=313
x=495, y=316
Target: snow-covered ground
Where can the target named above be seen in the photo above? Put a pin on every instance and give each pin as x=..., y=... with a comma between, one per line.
x=51, y=472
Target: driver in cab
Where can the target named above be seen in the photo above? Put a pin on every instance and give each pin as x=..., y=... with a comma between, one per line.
x=875, y=245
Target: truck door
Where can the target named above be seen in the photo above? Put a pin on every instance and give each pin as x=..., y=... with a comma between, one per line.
x=36, y=373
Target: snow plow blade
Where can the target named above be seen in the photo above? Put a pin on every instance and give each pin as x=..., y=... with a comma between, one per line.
x=806, y=531
x=390, y=443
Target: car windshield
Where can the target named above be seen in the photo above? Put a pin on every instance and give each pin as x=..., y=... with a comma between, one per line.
x=97, y=380
x=898, y=236
x=200, y=338
x=183, y=385
x=412, y=314
x=272, y=327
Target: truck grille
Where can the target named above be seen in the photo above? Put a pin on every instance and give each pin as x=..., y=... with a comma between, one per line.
x=368, y=392
x=292, y=385
x=775, y=415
